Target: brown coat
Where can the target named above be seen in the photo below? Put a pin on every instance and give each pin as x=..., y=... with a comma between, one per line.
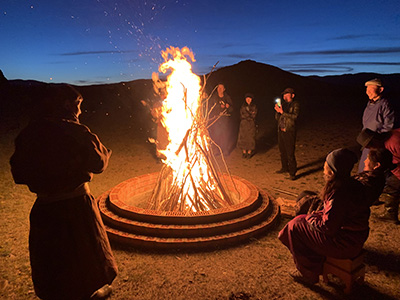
x=247, y=127
x=69, y=250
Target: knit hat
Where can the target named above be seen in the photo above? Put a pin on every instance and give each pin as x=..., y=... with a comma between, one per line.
x=341, y=161
x=375, y=81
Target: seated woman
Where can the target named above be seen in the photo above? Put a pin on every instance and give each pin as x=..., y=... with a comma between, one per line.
x=339, y=229
x=376, y=165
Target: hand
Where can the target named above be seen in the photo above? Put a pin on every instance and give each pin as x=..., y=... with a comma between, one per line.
x=278, y=109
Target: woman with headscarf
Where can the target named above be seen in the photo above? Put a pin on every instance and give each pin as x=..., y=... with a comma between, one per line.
x=247, y=128
x=339, y=230
x=376, y=167
x=56, y=156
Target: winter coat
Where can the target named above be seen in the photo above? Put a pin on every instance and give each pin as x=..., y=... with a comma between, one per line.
x=247, y=127
x=287, y=120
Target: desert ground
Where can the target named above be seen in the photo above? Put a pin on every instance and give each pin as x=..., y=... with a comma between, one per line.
x=255, y=270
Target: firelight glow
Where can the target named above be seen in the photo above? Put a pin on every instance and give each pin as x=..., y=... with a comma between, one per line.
x=194, y=183
x=182, y=102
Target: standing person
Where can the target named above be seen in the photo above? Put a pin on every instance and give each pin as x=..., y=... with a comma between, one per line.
x=247, y=128
x=339, y=230
x=391, y=192
x=221, y=130
x=378, y=114
x=286, y=114
x=56, y=156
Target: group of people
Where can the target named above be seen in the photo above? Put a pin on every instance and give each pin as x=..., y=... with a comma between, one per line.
x=70, y=255
x=335, y=222
x=286, y=114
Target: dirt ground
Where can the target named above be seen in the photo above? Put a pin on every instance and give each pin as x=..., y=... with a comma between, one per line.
x=255, y=270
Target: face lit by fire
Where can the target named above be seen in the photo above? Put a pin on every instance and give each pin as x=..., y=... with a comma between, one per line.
x=328, y=173
x=370, y=165
x=220, y=90
x=74, y=106
x=288, y=97
x=248, y=100
x=374, y=92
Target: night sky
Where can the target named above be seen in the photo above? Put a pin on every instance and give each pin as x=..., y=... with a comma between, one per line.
x=101, y=41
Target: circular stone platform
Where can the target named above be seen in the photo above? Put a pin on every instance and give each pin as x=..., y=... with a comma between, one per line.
x=123, y=209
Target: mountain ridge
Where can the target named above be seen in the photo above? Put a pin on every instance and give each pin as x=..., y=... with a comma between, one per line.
x=266, y=82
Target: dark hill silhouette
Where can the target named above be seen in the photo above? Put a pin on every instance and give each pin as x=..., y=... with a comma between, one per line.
x=354, y=84
x=267, y=82
x=120, y=103
x=3, y=79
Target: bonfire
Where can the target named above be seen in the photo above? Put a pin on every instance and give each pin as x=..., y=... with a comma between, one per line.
x=189, y=180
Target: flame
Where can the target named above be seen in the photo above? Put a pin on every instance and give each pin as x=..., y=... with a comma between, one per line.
x=188, y=136
x=181, y=103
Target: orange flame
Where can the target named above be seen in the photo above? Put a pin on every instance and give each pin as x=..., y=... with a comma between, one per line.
x=181, y=117
x=182, y=101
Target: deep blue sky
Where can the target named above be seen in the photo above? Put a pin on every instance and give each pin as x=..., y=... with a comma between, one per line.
x=103, y=41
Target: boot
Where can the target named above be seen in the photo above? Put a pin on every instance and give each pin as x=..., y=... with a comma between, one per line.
x=391, y=208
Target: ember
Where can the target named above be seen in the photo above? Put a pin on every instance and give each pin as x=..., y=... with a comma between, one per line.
x=189, y=180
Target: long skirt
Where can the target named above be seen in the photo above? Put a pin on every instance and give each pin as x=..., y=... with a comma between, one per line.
x=69, y=250
x=247, y=135
x=310, y=247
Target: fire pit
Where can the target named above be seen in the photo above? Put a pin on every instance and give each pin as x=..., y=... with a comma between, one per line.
x=128, y=221
x=190, y=203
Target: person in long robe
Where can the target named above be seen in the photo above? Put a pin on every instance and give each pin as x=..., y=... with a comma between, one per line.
x=339, y=230
x=56, y=156
x=247, y=128
x=379, y=114
x=221, y=129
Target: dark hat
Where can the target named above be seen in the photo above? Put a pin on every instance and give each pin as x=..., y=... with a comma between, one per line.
x=375, y=81
x=341, y=161
x=288, y=91
x=368, y=138
x=365, y=137
x=250, y=95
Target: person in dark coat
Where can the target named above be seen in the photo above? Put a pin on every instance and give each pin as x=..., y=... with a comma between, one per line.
x=339, y=230
x=220, y=118
x=247, y=128
x=286, y=114
x=56, y=156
